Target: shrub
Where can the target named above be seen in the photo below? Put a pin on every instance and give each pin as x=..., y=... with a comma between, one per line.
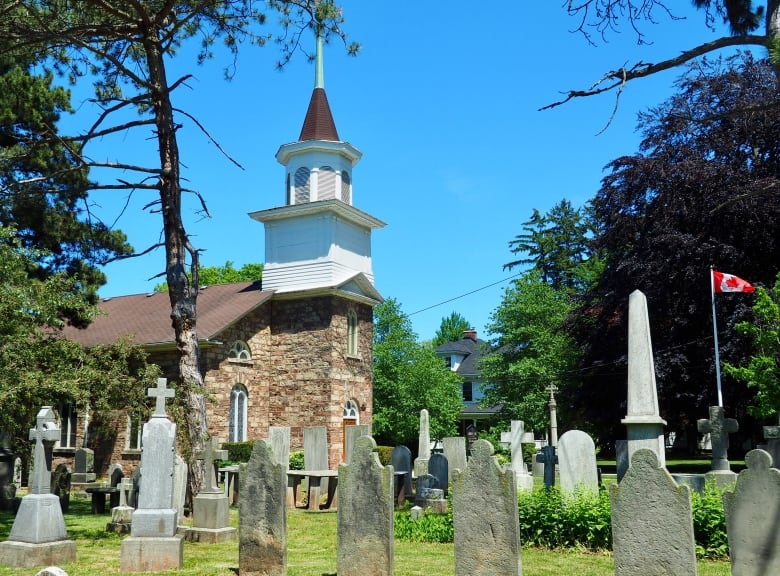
x=385, y=452
x=709, y=522
x=239, y=451
x=296, y=460
x=435, y=528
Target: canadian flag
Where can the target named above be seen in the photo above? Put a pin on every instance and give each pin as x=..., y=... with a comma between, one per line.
x=729, y=283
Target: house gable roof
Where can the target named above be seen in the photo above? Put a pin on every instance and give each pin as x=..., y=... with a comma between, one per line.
x=146, y=318
x=468, y=348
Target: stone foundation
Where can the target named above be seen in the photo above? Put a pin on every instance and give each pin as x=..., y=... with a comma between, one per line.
x=145, y=554
x=26, y=555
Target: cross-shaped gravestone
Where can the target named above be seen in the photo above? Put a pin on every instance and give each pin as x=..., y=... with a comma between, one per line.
x=719, y=427
x=210, y=453
x=45, y=431
x=125, y=487
x=160, y=392
x=549, y=459
x=552, y=389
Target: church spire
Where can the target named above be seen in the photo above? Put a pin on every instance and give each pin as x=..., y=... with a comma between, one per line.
x=319, y=65
x=319, y=124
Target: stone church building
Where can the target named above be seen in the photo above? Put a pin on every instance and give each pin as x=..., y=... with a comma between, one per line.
x=293, y=350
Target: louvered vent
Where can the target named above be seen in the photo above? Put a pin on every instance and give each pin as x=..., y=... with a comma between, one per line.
x=346, y=187
x=302, y=185
x=326, y=183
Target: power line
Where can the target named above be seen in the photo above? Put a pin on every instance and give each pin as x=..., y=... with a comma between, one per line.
x=466, y=294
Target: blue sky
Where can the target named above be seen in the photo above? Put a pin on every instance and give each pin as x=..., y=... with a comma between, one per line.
x=443, y=104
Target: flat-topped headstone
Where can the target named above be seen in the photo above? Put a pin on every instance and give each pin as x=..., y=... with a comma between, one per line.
x=485, y=517
x=351, y=434
x=652, y=525
x=262, y=514
x=455, y=451
x=644, y=425
x=577, y=463
x=517, y=435
x=365, y=536
x=279, y=437
x=315, y=452
x=752, y=512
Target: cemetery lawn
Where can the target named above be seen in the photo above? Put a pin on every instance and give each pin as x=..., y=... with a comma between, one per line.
x=311, y=546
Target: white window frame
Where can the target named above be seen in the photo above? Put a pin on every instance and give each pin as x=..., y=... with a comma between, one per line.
x=237, y=425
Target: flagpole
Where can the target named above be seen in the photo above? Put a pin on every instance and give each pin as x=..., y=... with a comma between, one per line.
x=715, y=336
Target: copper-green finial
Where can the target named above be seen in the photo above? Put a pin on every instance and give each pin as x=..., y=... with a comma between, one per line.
x=319, y=67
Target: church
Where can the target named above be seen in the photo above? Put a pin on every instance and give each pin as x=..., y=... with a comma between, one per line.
x=293, y=350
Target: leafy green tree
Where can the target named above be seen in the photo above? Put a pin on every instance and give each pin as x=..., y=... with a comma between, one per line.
x=39, y=368
x=451, y=329
x=762, y=371
x=408, y=377
x=227, y=274
x=530, y=349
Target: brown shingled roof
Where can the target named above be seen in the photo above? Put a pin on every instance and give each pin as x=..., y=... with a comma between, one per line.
x=147, y=317
x=319, y=124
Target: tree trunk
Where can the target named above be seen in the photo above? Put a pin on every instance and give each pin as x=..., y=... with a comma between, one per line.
x=183, y=293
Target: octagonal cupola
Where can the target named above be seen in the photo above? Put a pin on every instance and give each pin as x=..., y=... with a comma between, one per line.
x=319, y=165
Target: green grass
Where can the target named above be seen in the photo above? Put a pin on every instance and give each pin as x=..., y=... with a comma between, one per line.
x=311, y=551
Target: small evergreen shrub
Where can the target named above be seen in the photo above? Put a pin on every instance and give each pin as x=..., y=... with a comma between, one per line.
x=239, y=451
x=385, y=453
x=709, y=522
x=296, y=460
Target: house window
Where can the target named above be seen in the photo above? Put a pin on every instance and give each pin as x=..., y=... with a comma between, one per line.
x=468, y=392
x=68, y=421
x=352, y=333
x=448, y=362
x=302, y=185
x=326, y=183
x=346, y=187
x=240, y=351
x=237, y=425
x=134, y=428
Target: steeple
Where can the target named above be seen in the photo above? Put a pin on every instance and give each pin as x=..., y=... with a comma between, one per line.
x=319, y=124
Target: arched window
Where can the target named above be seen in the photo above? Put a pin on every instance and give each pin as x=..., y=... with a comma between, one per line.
x=326, y=183
x=238, y=405
x=240, y=351
x=302, y=185
x=346, y=187
x=352, y=333
x=350, y=409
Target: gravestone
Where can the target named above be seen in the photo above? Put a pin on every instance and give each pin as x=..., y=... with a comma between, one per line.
x=652, y=526
x=365, y=538
x=315, y=451
x=772, y=445
x=153, y=544
x=211, y=508
x=485, y=517
x=132, y=497
x=423, y=445
x=52, y=571
x=38, y=536
x=7, y=476
x=439, y=468
x=621, y=458
x=644, y=425
x=401, y=459
x=577, y=463
x=719, y=427
x=83, y=466
x=352, y=433
x=262, y=514
x=517, y=434
x=547, y=457
x=455, y=451
x=60, y=485
x=752, y=512
x=279, y=437
x=180, y=471
x=122, y=514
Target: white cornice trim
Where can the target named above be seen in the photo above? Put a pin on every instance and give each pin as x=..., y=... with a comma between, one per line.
x=345, y=211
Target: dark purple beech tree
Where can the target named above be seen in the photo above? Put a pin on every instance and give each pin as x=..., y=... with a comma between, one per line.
x=702, y=190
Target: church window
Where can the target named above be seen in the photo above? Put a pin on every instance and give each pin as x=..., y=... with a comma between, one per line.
x=350, y=409
x=134, y=428
x=240, y=351
x=346, y=187
x=352, y=333
x=302, y=185
x=68, y=421
x=326, y=183
x=238, y=406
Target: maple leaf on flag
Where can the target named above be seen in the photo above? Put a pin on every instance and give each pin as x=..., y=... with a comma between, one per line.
x=729, y=283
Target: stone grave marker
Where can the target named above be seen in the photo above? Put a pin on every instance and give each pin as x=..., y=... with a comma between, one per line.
x=262, y=514
x=423, y=445
x=279, y=437
x=365, y=538
x=401, y=459
x=83, y=466
x=211, y=507
x=60, y=485
x=455, y=452
x=122, y=514
x=517, y=434
x=180, y=472
x=577, y=463
x=315, y=451
x=440, y=469
x=652, y=526
x=485, y=517
x=644, y=425
x=7, y=474
x=549, y=459
x=752, y=512
x=153, y=544
x=352, y=433
x=38, y=535
x=719, y=427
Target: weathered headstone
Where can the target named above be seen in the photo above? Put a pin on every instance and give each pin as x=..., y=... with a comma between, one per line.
x=621, y=458
x=180, y=472
x=352, y=433
x=577, y=463
x=719, y=427
x=211, y=508
x=262, y=514
x=485, y=517
x=38, y=536
x=644, y=425
x=652, y=526
x=401, y=459
x=7, y=477
x=52, y=571
x=455, y=451
x=153, y=544
x=60, y=485
x=752, y=512
x=365, y=518
x=122, y=514
x=279, y=437
x=440, y=469
x=423, y=445
x=772, y=437
x=315, y=451
x=548, y=457
x=522, y=477
x=83, y=466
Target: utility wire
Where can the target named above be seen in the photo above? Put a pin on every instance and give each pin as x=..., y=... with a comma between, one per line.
x=466, y=294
